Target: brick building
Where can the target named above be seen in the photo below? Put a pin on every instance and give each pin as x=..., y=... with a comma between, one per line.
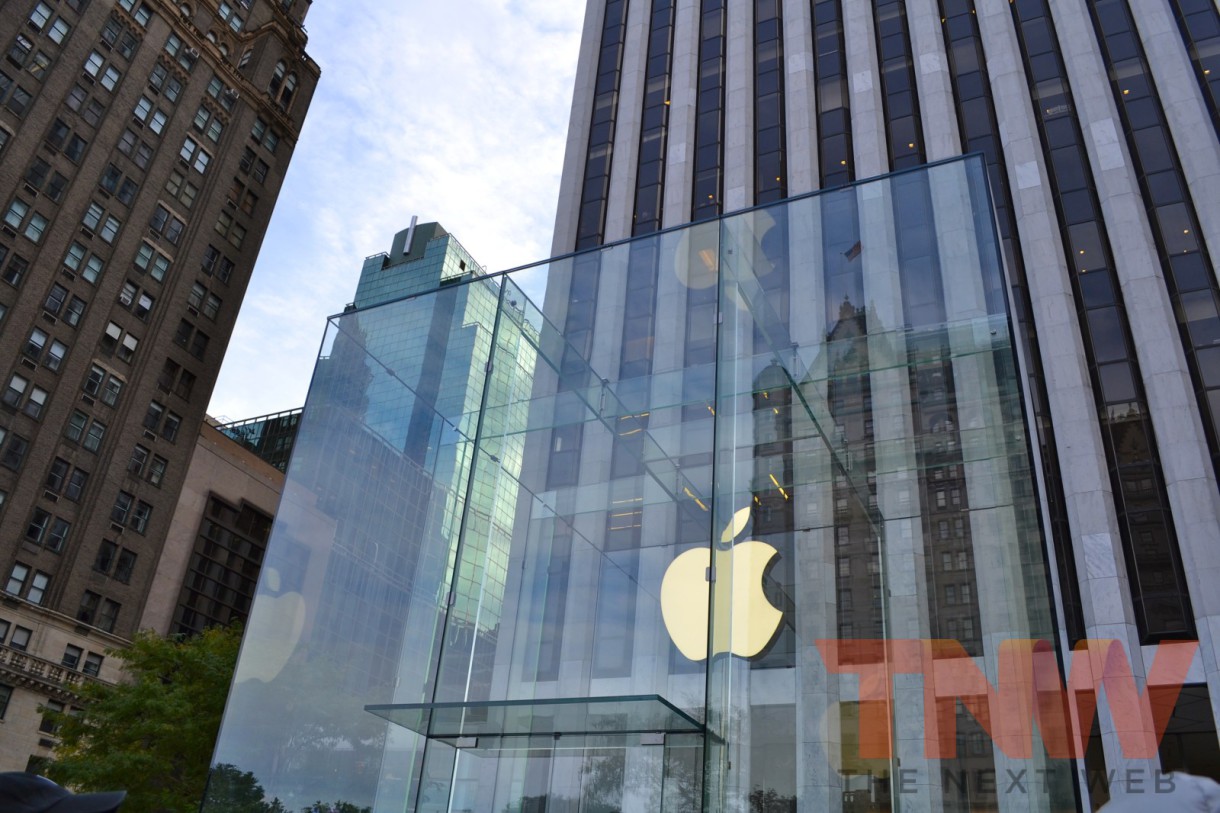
x=142, y=147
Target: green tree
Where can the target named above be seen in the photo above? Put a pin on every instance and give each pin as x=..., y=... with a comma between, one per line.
x=152, y=734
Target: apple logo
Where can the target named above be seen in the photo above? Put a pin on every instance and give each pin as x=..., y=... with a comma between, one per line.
x=273, y=630
x=745, y=621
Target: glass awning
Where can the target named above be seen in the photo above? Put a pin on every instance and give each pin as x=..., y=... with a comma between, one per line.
x=557, y=722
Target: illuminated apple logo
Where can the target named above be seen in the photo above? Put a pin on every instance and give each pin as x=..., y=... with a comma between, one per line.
x=745, y=622
x=273, y=630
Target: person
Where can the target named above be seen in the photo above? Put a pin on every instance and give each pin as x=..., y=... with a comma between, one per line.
x=28, y=793
x=1176, y=792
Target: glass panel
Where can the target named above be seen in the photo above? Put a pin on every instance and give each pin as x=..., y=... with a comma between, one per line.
x=727, y=472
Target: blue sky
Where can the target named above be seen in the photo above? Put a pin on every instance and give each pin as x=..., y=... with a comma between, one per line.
x=455, y=112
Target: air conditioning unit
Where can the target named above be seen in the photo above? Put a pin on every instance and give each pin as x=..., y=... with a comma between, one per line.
x=193, y=53
x=231, y=94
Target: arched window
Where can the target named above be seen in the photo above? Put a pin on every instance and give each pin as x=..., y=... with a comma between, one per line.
x=277, y=80
x=290, y=87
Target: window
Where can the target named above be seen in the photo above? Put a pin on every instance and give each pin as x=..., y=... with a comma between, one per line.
x=38, y=588
x=63, y=479
x=93, y=661
x=228, y=15
x=142, y=13
x=97, y=69
x=17, y=579
x=166, y=224
x=138, y=302
x=222, y=93
x=147, y=114
x=138, y=150
x=139, y=457
x=40, y=176
x=51, y=708
x=6, y=694
x=118, y=342
x=181, y=189
x=42, y=348
x=215, y=263
x=21, y=639
x=208, y=123
x=89, y=266
x=125, y=567
x=95, y=435
x=241, y=197
x=121, y=510
x=57, y=300
x=77, y=423
x=47, y=530
x=113, y=182
x=194, y=340
x=226, y=227
x=162, y=82
x=107, y=617
x=262, y=134
x=183, y=55
x=174, y=378
x=118, y=37
x=149, y=260
x=39, y=17
x=14, y=272
x=12, y=449
x=77, y=481
x=61, y=137
x=193, y=155
x=87, y=612
x=15, y=216
x=169, y=430
x=104, y=384
x=97, y=221
x=203, y=301
x=156, y=470
x=20, y=394
x=20, y=50
x=72, y=656
x=106, y=555
x=59, y=31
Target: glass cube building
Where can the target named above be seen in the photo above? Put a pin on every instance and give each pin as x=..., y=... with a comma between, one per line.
x=642, y=549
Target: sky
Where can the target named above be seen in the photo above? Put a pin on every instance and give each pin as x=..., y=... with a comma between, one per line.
x=455, y=112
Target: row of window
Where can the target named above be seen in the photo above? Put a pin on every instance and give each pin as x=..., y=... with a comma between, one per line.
x=770, y=170
x=709, y=111
x=654, y=135
x=837, y=165
x=596, y=188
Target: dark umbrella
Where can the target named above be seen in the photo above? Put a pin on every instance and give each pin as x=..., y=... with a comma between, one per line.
x=27, y=793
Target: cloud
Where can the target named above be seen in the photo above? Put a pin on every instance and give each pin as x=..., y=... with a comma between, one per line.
x=454, y=112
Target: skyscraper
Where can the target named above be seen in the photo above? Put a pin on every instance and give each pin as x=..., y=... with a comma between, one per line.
x=142, y=147
x=1099, y=124
x=856, y=404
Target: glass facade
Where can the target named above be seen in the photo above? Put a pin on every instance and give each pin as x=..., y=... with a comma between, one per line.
x=652, y=560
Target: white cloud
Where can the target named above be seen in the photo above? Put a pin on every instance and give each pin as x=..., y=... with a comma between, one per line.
x=455, y=112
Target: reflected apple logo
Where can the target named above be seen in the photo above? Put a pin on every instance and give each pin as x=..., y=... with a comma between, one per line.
x=744, y=620
x=272, y=632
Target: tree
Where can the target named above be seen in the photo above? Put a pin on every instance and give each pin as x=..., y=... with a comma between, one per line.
x=153, y=734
